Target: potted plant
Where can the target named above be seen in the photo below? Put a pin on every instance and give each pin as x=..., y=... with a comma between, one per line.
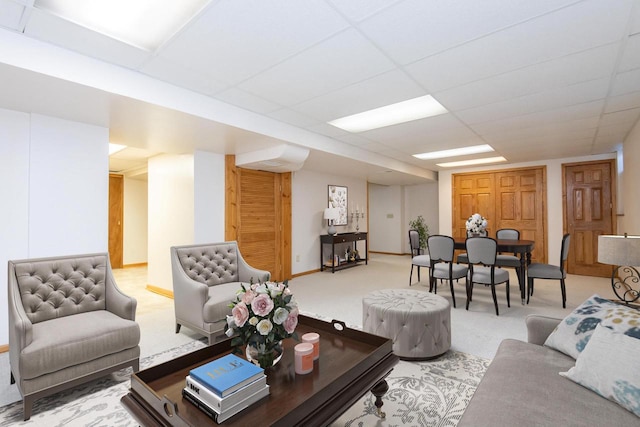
x=423, y=230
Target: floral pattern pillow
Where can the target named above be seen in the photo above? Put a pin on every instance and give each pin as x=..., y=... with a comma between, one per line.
x=573, y=333
x=617, y=380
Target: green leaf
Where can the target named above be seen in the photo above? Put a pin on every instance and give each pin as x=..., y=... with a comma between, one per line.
x=237, y=341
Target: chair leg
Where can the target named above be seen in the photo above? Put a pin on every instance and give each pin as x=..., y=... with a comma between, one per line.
x=495, y=298
x=12, y=380
x=27, y=405
x=564, y=294
x=178, y=325
x=508, y=297
x=529, y=287
x=411, y=275
x=453, y=295
x=469, y=292
x=418, y=273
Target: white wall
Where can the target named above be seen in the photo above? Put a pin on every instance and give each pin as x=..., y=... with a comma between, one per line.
x=420, y=199
x=309, y=198
x=554, y=200
x=171, y=218
x=135, y=221
x=209, y=203
x=55, y=178
x=386, y=204
x=630, y=222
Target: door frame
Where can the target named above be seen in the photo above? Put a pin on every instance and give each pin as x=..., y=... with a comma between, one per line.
x=613, y=190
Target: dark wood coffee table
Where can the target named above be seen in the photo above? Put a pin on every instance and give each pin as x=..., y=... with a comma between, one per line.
x=351, y=363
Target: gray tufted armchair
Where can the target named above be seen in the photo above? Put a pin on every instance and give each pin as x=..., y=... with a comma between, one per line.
x=68, y=324
x=206, y=278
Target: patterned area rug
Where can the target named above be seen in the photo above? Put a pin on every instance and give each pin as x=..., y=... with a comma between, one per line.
x=433, y=393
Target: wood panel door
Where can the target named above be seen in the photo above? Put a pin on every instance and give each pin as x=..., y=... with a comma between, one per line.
x=589, y=212
x=520, y=204
x=258, y=216
x=116, y=220
x=472, y=193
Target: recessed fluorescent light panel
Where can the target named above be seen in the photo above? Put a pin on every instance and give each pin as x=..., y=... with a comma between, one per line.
x=474, y=149
x=114, y=148
x=401, y=112
x=146, y=24
x=472, y=162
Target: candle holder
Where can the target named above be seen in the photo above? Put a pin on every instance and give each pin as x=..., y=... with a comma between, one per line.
x=357, y=216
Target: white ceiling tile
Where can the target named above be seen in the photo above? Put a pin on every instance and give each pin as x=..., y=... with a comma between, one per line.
x=626, y=82
x=292, y=117
x=572, y=29
x=582, y=128
x=555, y=98
x=10, y=14
x=631, y=56
x=363, y=143
x=52, y=29
x=246, y=100
x=635, y=19
x=621, y=117
x=619, y=130
x=622, y=102
x=424, y=126
x=378, y=91
x=234, y=40
x=338, y=62
x=356, y=10
x=327, y=130
x=582, y=66
x=180, y=74
x=608, y=141
x=415, y=29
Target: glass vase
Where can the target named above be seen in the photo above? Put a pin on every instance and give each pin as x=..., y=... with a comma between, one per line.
x=264, y=355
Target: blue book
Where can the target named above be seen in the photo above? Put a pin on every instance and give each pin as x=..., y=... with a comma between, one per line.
x=227, y=374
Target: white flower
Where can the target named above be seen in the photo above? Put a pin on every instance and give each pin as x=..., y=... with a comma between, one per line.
x=280, y=315
x=264, y=327
x=230, y=332
x=261, y=289
x=253, y=321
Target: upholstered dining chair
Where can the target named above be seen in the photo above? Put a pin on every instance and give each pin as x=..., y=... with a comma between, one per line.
x=508, y=260
x=463, y=258
x=418, y=259
x=441, y=250
x=482, y=253
x=551, y=272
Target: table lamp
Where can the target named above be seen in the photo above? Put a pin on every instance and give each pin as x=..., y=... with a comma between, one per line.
x=331, y=214
x=624, y=253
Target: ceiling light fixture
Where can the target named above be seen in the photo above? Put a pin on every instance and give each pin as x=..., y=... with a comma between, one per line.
x=474, y=149
x=114, y=148
x=472, y=162
x=401, y=112
x=146, y=24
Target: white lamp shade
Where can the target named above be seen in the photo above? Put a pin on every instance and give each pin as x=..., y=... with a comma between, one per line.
x=619, y=250
x=331, y=213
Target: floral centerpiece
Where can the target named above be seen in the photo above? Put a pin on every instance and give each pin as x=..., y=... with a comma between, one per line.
x=476, y=224
x=262, y=315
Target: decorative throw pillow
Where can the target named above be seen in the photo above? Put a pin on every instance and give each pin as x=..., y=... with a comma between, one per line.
x=617, y=380
x=573, y=333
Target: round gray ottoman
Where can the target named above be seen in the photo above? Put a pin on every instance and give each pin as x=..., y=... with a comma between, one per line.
x=418, y=322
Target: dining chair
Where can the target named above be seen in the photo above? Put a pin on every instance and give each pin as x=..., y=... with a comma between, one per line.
x=504, y=260
x=441, y=250
x=418, y=259
x=482, y=253
x=550, y=271
x=462, y=257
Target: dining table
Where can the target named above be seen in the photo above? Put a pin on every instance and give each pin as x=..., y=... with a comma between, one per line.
x=521, y=248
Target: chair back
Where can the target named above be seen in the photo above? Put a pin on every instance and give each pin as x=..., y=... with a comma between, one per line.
x=441, y=248
x=564, y=250
x=414, y=242
x=508, y=234
x=481, y=250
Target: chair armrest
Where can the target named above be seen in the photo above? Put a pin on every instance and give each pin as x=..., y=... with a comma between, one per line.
x=20, y=327
x=189, y=296
x=117, y=302
x=246, y=273
x=540, y=327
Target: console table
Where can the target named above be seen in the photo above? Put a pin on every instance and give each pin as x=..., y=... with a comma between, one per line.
x=354, y=238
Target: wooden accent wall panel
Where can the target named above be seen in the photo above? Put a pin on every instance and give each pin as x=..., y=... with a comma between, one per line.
x=231, y=198
x=513, y=198
x=116, y=220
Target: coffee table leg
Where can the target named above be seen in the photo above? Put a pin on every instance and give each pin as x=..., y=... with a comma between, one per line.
x=378, y=391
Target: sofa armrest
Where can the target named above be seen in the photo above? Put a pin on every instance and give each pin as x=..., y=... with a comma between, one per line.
x=20, y=327
x=540, y=327
x=246, y=273
x=117, y=302
x=189, y=296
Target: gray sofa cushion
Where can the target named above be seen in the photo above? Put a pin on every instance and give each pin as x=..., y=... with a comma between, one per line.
x=51, y=289
x=522, y=387
x=217, y=306
x=73, y=340
x=211, y=265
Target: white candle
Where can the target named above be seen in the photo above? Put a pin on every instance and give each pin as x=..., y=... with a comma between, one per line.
x=314, y=339
x=303, y=358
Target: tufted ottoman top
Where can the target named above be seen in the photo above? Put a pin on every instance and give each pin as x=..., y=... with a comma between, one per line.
x=406, y=300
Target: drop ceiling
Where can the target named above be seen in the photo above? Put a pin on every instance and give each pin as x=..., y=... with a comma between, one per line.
x=535, y=80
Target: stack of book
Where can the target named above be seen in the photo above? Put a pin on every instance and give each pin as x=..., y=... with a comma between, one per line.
x=225, y=386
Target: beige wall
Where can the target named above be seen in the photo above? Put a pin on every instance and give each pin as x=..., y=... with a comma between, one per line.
x=630, y=221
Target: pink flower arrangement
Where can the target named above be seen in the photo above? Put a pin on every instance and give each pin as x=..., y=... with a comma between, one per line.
x=262, y=315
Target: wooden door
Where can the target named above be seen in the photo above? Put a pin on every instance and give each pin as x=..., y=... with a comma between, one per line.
x=588, y=213
x=116, y=220
x=473, y=193
x=258, y=216
x=520, y=204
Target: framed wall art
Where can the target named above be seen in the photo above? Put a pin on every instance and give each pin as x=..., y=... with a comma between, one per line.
x=338, y=199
